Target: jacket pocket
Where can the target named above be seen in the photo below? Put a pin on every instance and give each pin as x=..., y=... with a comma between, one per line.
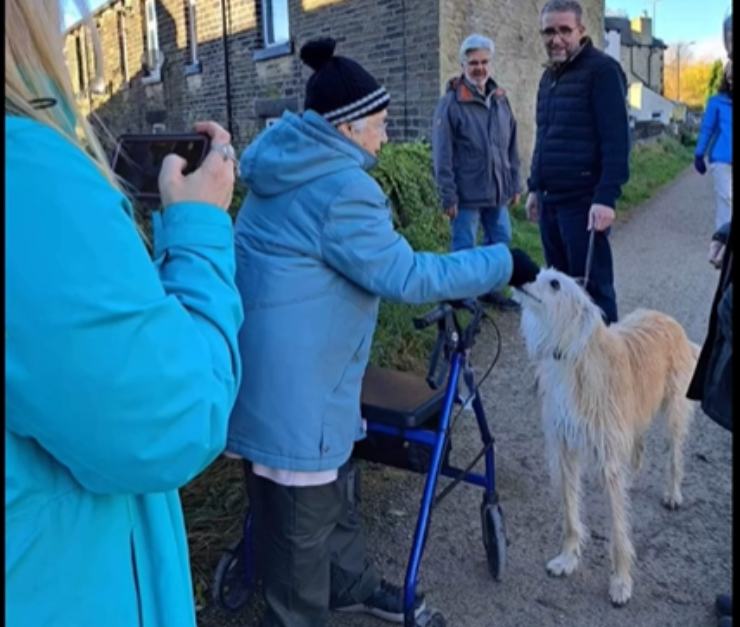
x=341, y=418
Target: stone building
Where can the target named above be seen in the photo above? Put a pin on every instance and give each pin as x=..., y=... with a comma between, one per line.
x=631, y=42
x=168, y=63
x=642, y=57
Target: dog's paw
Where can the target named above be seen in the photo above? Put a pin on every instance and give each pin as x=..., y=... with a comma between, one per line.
x=620, y=590
x=562, y=565
x=672, y=501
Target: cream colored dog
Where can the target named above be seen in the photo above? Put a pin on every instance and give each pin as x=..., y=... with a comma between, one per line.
x=601, y=386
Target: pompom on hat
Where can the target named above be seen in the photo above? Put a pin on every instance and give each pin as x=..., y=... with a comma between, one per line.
x=340, y=89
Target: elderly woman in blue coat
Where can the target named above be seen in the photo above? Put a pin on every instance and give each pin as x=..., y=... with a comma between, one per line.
x=316, y=250
x=120, y=369
x=715, y=145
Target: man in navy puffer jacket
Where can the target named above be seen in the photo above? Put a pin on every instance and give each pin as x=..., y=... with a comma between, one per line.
x=581, y=151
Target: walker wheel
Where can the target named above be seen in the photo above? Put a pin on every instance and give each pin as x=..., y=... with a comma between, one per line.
x=494, y=538
x=232, y=586
x=430, y=618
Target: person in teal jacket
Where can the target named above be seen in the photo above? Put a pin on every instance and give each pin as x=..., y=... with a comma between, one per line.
x=120, y=369
x=316, y=251
x=715, y=143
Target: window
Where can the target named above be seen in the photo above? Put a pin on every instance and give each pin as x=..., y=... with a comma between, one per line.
x=122, y=45
x=193, y=65
x=153, y=58
x=80, y=55
x=275, y=25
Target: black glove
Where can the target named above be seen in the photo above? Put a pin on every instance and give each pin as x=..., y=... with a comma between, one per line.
x=722, y=233
x=525, y=270
x=699, y=165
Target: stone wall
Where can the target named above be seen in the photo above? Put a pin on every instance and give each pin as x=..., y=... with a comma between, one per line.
x=395, y=40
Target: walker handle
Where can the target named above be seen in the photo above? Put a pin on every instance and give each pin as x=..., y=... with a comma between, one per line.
x=430, y=317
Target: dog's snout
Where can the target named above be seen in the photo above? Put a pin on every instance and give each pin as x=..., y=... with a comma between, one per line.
x=555, y=284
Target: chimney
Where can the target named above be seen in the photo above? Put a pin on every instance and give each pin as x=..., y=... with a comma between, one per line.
x=642, y=29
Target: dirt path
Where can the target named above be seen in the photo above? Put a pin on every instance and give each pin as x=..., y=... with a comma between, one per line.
x=683, y=557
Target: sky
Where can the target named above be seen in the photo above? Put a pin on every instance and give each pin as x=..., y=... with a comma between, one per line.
x=684, y=21
x=675, y=20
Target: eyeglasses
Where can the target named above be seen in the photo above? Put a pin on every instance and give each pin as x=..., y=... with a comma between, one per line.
x=476, y=63
x=378, y=127
x=550, y=33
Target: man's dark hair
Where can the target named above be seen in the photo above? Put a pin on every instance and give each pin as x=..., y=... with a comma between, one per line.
x=724, y=87
x=563, y=6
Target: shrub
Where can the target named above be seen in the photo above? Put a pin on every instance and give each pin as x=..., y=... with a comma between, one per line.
x=404, y=171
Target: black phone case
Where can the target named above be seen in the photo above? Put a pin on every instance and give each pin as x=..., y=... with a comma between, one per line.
x=138, y=158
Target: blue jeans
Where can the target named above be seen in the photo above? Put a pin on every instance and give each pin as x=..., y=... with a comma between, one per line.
x=496, y=227
x=565, y=244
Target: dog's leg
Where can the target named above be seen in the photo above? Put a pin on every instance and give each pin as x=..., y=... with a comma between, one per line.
x=573, y=531
x=622, y=551
x=677, y=427
x=638, y=448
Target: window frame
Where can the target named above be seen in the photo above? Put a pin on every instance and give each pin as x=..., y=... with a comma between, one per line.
x=193, y=65
x=81, y=58
x=152, y=66
x=122, y=46
x=268, y=20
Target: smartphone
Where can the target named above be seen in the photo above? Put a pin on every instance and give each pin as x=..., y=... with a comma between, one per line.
x=137, y=159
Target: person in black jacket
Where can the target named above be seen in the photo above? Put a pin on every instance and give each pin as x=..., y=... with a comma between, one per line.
x=712, y=380
x=581, y=153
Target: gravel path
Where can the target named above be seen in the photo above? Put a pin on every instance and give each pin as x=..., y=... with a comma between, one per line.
x=683, y=557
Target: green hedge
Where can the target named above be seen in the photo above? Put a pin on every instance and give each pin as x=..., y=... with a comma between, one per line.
x=404, y=171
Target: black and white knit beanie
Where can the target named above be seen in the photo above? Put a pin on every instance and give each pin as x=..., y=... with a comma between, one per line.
x=340, y=89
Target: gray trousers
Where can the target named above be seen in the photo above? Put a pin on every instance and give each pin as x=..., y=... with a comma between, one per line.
x=722, y=175
x=310, y=548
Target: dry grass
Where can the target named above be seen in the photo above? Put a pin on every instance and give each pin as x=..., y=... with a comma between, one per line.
x=214, y=505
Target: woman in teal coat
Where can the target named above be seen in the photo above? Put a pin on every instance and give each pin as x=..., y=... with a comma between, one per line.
x=120, y=369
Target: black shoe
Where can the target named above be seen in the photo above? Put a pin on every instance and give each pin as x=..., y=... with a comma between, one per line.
x=386, y=603
x=500, y=302
x=723, y=605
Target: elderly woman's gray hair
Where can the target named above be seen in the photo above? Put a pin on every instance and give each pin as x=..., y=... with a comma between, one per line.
x=475, y=42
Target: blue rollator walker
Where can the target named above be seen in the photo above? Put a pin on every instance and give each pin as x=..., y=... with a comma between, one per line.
x=409, y=424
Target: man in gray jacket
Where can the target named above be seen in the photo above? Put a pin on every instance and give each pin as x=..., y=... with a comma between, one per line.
x=476, y=162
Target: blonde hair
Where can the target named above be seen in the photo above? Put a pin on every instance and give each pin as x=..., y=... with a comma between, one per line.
x=35, y=69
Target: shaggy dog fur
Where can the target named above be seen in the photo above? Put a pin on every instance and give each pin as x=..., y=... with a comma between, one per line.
x=601, y=387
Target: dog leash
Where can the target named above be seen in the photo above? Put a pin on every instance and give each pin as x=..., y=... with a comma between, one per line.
x=589, y=258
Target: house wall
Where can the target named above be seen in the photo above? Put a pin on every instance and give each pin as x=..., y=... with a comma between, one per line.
x=646, y=105
x=643, y=64
x=392, y=39
x=613, y=45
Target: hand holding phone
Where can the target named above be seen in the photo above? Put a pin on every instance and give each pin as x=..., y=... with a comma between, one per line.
x=160, y=170
x=212, y=182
